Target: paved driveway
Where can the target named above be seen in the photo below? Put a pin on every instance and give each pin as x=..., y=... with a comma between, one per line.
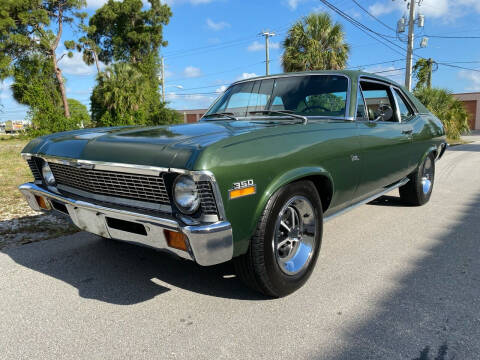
x=392, y=282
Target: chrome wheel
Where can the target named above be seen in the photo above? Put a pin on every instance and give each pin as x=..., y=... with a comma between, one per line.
x=294, y=236
x=427, y=175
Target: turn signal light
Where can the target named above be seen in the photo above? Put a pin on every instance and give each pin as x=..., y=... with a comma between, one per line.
x=242, y=192
x=176, y=240
x=42, y=202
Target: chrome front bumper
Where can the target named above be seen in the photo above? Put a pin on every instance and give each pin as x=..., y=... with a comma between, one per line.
x=208, y=244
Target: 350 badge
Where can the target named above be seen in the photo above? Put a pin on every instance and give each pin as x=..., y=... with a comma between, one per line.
x=242, y=188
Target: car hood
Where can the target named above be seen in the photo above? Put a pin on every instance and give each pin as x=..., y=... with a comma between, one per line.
x=175, y=146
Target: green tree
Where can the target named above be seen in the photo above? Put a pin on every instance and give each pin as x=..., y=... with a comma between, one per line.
x=119, y=96
x=449, y=110
x=423, y=72
x=36, y=26
x=315, y=43
x=124, y=31
x=35, y=85
x=79, y=113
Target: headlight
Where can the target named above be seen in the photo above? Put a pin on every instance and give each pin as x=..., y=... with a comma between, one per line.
x=185, y=194
x=48, y=175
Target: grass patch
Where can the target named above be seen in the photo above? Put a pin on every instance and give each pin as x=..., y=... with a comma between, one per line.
x=13, y=172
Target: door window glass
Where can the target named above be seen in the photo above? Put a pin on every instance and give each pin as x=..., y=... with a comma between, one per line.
x=378, y=99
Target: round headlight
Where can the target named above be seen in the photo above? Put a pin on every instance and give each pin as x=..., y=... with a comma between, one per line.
x=48, y=175
x=185, y=194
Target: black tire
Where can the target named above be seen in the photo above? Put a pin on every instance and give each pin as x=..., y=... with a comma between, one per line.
x=414, y=192
x=259, y=268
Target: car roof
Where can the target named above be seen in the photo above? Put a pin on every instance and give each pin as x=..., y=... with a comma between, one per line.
x=352, y=74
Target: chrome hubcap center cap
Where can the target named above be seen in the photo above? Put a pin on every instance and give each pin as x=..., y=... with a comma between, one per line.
x=294, y=236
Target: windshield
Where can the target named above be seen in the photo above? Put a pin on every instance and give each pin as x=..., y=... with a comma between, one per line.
x=309, y=95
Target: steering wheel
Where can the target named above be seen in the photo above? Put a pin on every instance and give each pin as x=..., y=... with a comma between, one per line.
x=383, y=113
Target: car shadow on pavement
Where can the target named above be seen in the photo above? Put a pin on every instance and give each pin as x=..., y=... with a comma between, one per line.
x=387, y=200
x=122, y=273
x=465, y=147
x=433, y=310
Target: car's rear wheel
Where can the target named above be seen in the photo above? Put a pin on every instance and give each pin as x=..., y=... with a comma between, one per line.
x=285, y=246
x=419, y=189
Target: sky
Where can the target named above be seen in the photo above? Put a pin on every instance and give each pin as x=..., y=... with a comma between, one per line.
x=212, y=43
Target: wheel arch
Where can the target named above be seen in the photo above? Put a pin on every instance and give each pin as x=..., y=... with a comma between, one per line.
x=320, y=177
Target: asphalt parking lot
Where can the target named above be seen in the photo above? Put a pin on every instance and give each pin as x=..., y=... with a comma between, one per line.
x=392, y=282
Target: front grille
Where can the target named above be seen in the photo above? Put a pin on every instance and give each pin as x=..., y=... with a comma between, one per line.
x=32, y=163
x=207, y=200
x=146, y=188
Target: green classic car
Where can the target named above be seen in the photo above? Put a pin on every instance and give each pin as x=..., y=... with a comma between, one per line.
x=272, y=159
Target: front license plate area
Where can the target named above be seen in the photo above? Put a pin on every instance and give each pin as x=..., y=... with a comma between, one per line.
x=88, y=220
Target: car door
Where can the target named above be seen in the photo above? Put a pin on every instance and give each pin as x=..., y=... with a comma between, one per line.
x=385, y=139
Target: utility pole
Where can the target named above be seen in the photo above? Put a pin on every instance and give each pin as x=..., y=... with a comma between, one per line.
x=163, y=80
x=267, y=34
x=411, y=22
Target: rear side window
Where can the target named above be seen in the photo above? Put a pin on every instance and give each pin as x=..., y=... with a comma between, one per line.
x=404, y=108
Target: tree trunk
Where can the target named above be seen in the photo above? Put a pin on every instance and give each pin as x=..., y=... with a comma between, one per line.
x=58, y=72
x=61, y=85
x=95, y=57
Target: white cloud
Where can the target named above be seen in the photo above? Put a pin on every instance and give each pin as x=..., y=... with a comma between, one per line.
x=246, y=75
x=216, y=26
x=293, y=4
x=185, y=102
x=221, y=89
x=445, y=9
x=76, y=66
x=192, y=72
x=473, y=77
x=257, y=46
x=193, y=2
x=5, y=90
x=95, y=4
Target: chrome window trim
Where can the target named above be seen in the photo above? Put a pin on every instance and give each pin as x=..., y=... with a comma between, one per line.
x=405, y=99
x=359, y=89
x=198, y=175
x=347, y=116
x=397, y=109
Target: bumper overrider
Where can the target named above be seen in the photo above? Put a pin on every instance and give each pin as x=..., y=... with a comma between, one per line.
x=206, y=244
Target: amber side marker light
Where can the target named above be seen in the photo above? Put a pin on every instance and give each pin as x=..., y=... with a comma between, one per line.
x=176, y=240
x=42, y=202
x=242, y=192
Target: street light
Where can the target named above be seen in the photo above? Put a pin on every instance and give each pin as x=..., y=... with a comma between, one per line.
x=167, y=86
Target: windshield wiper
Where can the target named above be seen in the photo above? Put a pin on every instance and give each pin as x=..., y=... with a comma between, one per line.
x=281, y=112
x=224, y=114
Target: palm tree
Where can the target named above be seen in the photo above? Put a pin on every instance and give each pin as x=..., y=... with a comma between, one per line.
x=122, y=91
x=314, y=43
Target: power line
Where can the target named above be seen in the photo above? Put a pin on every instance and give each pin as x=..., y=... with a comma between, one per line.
x=458, y=67
x=364, y=28
x=453, y=37
x=373, y=16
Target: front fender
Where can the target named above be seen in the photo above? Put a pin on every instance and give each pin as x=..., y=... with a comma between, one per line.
x=279, y=181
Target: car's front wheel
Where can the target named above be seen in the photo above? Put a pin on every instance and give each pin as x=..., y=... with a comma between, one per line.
x=285, y=246
x=419, y=189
